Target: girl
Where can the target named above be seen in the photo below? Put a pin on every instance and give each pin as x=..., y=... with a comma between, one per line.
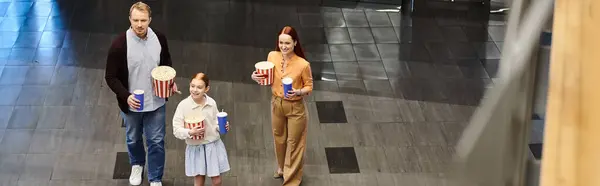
x=205, y=154
x=288, y=116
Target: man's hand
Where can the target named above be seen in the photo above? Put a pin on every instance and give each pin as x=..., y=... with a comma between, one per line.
x=175, y=89
x=132, y=102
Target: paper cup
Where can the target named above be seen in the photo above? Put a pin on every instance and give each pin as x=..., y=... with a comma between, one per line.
x=222, y=119
x=287, y=85
x=139, y=95
x=163, y=78
x=266, y=69
x=191, y=122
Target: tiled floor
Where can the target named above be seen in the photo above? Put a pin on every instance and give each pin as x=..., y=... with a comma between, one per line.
x=392, y=92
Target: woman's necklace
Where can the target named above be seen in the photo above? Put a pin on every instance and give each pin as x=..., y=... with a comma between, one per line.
x=283, y=64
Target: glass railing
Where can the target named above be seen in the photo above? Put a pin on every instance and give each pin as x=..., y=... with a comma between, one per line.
x=493, y=150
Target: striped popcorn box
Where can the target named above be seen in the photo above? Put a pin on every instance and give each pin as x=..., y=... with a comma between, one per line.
x=191, y=122
x=163, y=78
x=266, y=69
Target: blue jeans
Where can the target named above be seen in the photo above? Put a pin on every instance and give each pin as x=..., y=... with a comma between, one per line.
x=152, y=124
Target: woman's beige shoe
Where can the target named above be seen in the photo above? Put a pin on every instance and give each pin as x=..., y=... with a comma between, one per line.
x=277, y=175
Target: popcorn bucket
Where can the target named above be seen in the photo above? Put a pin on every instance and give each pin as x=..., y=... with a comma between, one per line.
x=266, y=69
x=163, y=78
x=191, y=122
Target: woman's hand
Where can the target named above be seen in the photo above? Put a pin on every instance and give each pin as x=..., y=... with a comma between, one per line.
x=197, y=131
x=295, y=92
x=257, y=77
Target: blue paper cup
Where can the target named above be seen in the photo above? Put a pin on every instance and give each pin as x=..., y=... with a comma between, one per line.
x=222, y=119
x=287, y=85
x=139, y=95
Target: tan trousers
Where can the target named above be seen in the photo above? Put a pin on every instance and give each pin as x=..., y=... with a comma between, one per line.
x=289, y=122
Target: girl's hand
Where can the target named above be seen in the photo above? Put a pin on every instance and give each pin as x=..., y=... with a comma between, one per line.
x=227, y=128
x=197, y=131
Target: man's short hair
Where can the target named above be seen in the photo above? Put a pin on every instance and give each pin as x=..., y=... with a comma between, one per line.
x=140, y=6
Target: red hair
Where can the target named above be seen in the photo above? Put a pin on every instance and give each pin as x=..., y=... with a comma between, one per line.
x=292, y=32
x=202, y=77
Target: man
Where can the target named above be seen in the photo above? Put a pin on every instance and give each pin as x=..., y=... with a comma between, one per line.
x=131, y=58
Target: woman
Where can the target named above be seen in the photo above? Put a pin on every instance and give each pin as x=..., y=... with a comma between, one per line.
x=288, y=116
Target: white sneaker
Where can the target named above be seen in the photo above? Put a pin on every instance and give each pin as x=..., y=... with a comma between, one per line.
x=136, y=175
x=156, y=184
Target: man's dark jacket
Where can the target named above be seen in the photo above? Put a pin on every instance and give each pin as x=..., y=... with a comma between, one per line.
x=117, y=72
